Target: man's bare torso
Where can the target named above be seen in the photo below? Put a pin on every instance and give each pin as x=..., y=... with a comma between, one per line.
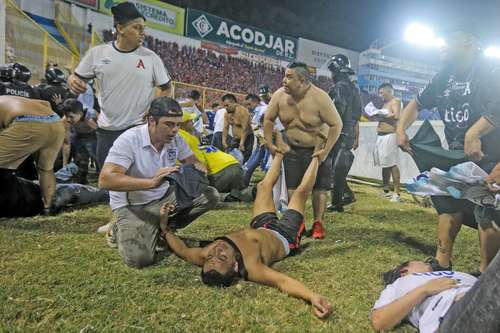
x=13, y=106
x=258, y=246
x=301, y=119
x=236, y=121
x=388, y=125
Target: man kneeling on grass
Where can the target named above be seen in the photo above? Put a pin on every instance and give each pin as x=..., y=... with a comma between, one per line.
x=248, y=253
x=439, y=301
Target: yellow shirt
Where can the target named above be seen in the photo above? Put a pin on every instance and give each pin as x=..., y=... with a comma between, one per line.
x=214, y=159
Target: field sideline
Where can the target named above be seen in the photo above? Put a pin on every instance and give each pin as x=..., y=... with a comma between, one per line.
x=58, y=275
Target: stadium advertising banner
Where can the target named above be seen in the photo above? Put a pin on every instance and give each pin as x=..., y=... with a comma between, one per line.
x=86, y=3
x=159, y=15
x=316, y=54
x=202, y=25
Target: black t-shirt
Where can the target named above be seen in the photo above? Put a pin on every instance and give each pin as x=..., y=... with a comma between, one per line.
x=461, y=102
x=50, y=92
x=17, y=88
x=347, y=101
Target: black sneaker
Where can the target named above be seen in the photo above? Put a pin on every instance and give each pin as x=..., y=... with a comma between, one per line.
x=347, y=200
x=335, y=208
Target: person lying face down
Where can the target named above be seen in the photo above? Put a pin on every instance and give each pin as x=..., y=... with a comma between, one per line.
x=439, y=301
x=250, y=252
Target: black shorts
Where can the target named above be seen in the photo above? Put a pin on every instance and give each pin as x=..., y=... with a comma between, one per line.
x=291, y=226
x=449, y=205
x=296, y=163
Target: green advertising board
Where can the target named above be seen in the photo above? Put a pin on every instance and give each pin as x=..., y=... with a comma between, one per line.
x=159, y=15
x=202, y=25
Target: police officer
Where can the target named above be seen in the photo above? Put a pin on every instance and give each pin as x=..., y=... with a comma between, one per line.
x=14, y=81
x=348, y=103
x=54, y=90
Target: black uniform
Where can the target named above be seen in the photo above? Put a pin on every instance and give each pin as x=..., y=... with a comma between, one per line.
x=348, y=104
x=461, y=102
x=49, y=92
x=17, y=88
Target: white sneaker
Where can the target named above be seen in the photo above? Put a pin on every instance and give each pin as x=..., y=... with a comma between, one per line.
x=385, y=195
x=104, y=228
x=111, y=238
x=395, y=198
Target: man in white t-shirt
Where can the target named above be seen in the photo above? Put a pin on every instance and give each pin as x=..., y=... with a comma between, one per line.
x=218, y=129
x=444, y=301
x=125, y=74
x=135, y=173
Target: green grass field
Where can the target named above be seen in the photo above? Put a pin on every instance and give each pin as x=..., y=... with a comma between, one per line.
x=58, y=275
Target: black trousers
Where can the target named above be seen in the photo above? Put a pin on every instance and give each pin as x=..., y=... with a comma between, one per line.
x=342, y=160
x=105, y=140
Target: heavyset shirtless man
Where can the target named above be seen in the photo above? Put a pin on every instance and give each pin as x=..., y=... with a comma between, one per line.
x=306, y=112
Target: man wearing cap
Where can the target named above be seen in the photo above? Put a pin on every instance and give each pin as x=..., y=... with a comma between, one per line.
x=126, y=74
x=135, y=172
x=466, y=94
x=307, y=113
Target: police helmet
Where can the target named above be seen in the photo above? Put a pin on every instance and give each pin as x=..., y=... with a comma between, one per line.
x=6, y=72
x=54, y=75
x=21, y=72
x=340, y=63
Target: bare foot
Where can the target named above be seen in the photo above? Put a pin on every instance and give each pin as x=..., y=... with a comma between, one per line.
x=282, y=146
x=165, y=210
x=319, y=142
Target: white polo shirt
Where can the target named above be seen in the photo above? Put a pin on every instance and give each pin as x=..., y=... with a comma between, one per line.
x=125, y=83
x=133, y=151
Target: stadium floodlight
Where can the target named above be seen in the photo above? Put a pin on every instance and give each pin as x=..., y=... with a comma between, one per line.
x=492, y=51
x=422, y=35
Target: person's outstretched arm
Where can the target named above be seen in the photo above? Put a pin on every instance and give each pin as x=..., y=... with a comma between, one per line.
x=194, y=255
x=269, y=118
x=330, y=116
x=264, y=275
x=407, y=117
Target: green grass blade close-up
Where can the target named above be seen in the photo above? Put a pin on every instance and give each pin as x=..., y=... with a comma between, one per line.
x=58, y=275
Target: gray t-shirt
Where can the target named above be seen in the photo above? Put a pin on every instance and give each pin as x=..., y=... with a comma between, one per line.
x=125, y=82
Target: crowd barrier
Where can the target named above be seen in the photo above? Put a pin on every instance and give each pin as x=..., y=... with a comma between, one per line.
x=28, y=43
x=78, y=37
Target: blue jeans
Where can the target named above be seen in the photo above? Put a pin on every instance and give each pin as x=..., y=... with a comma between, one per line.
x=478, y=310
x=253, y=162
x=217, y=140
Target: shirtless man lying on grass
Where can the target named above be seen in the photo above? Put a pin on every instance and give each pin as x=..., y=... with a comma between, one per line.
x=250, y=252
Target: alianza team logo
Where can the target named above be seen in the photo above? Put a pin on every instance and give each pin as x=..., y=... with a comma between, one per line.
x=202, y=26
